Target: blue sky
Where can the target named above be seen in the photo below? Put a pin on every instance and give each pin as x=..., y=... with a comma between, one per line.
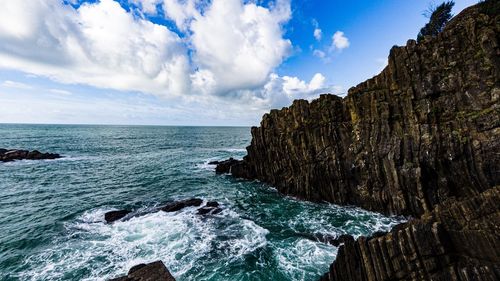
x=189, y=62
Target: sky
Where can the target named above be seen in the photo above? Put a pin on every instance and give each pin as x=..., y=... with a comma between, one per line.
x=190, y=62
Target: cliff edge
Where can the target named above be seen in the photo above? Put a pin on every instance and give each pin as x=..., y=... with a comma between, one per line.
x=423, y=131
x=422, y=139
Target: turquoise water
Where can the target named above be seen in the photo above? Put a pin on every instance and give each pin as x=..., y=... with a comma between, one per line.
x=51, y=212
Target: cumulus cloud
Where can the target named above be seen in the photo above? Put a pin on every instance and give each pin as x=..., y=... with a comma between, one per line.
x=339, y=41
x=147, y=6
x=238, y=45
x=318, y=34
x=98, y=44
x=222, y=50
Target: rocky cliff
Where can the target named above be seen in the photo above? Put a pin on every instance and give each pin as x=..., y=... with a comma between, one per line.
x=422, y=138
x=456, y=241
x=423, y=131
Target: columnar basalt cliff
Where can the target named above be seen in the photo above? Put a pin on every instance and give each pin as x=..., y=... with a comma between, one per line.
x=422, y=138
x=457, y=241
x=426, y=129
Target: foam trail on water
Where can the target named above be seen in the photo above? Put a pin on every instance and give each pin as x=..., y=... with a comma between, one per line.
x=181, y=240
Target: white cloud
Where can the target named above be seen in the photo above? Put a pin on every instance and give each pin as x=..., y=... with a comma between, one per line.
x=181, y=12
x=147, y=6
x=339, y=41
x=60, y=92
x=99, y=44
x=17, y=85
x=225, y=61
x=318, y=34
x=239, y=44
x=318, y=53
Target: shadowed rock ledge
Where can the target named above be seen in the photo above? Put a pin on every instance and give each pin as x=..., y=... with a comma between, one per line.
x=422, y=139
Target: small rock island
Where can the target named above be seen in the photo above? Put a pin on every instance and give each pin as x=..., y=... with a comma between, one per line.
x=8, y=155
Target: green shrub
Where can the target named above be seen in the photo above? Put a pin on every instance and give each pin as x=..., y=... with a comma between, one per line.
x=438, y=17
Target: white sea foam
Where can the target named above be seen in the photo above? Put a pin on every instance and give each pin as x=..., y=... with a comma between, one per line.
x=300, y=258
x=234, y=149
x=179, y=239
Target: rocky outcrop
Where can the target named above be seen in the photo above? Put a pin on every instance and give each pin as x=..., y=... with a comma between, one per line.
x=7, y=155
x=423, y=131
x=456, y=241
x=179, y=205
x=212, y=208
x=113, y=216
x=155, y=271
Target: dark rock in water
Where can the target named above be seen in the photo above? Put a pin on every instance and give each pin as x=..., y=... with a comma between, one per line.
x=457, y=241
x=211, y=207
x=213, y=163
x=204, y=210
x=339, y=240
x=226, y=165
x=16, y=154
x=216, y=211
x=212, y=204
x=179, y=205
x=115, y=215
x=155, y=271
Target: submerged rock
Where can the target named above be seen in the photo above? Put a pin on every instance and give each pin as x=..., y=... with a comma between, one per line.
x=115, y=215
x=155, y=271
x=211, y=207
x=7, y=155
x=179, y=205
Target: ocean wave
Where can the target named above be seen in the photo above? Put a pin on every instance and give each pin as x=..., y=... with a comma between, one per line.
x=181, y=240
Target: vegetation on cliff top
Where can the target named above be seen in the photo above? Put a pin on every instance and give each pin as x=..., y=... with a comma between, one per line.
x=438, y=17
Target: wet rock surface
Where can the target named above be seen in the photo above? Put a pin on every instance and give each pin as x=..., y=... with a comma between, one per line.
x=212, y=207
x=458, y=240
x=179, y=205
x=155, y=271
x=224, y=166
x=113, y=216
x=8, y=155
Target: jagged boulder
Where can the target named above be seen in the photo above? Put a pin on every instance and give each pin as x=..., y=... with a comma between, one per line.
x=7, y=155
x=113, y=216
x=225, y=166
x=155, y=271
x=179, y=205
x=212, y=207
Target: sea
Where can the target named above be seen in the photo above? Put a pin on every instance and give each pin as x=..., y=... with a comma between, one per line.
x=52, y=211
